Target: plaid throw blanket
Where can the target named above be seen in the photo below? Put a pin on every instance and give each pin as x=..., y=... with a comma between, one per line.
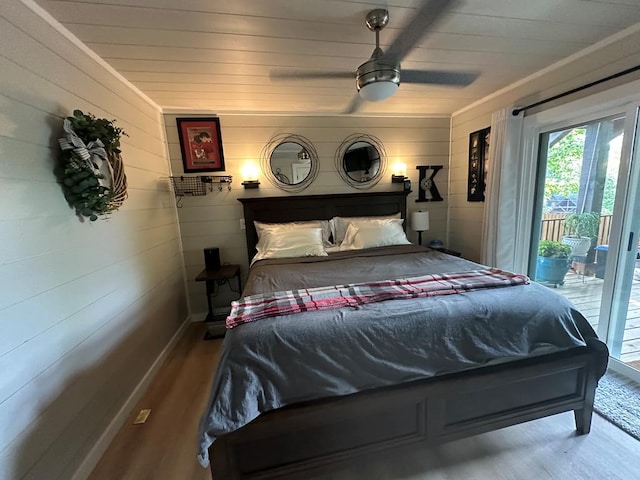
x=257, y=307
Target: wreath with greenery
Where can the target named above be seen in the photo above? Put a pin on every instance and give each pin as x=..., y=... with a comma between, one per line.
x=91, y=170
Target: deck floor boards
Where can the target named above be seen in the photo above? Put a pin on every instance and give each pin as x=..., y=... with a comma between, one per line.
x=586, y=293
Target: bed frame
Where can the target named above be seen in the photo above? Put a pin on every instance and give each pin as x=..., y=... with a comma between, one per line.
x=319, y=436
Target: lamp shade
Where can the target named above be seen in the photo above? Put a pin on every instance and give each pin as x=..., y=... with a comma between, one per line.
x=381, y=90
x=250, y=172
x=420, y=221
x=399, y=169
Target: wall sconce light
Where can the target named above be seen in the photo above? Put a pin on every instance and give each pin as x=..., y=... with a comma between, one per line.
x=398, y=172
x=250, y=173
x=399, y=175
x=420, y=223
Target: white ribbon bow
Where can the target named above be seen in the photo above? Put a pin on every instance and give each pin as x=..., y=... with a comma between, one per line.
x=73, y=142
x=93, y=154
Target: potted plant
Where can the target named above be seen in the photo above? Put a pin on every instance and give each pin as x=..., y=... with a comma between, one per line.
x=580, y=230
x=553, y=262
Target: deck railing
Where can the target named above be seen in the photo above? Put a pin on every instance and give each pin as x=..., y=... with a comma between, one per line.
x=552, y=227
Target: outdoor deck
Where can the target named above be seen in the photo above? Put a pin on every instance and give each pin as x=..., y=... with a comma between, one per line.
x=586, y=293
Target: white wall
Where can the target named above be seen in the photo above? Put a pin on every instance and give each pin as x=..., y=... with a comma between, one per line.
x=214, y=220
x=85, y=308
x=618, y=53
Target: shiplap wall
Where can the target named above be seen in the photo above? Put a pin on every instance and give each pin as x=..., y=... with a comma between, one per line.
x=85, y=308
x=214, y=220
x=614, y=55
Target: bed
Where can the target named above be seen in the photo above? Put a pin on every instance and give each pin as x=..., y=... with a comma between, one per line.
x=280, y=418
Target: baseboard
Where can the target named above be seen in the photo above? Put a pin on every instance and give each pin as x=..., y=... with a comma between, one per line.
x=623, y=369
x=91, y=460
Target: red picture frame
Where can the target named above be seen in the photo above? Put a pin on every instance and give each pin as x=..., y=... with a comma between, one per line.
x=200, y=144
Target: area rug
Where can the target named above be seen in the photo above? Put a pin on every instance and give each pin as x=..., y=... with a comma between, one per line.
x=618, y=400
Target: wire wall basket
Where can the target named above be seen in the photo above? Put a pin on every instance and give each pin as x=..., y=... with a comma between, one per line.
x=193, y=186
x=197, y=186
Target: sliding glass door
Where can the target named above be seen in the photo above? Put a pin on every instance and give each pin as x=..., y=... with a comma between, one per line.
x=587, y=210
x=622, y=328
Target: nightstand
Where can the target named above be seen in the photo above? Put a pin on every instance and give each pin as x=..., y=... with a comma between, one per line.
x=214, y=279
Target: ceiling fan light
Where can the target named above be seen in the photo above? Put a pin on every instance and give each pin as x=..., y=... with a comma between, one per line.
x=376, y=91
x=376, y=80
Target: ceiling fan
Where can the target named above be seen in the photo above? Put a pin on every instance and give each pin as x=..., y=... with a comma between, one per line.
x=379, y=77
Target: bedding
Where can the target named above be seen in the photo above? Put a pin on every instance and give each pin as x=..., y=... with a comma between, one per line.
x=362, y=234
x=293, y=242
x=339, y=225
x=267, y=305
x=262, y=227
x=282, y=360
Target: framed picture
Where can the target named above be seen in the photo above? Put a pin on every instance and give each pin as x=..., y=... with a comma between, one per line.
x=201, y=144
x=478, y=151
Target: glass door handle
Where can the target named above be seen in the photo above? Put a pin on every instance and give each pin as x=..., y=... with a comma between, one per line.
x=630, y=244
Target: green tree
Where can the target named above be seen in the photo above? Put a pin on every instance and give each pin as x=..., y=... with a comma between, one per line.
x=564, y=163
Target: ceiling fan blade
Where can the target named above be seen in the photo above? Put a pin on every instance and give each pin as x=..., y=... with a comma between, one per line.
x=307, y=75
x=413, y=31
x=354, y=105
x=436, y=77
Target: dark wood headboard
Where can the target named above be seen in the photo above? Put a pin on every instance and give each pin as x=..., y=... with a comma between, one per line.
x=317, y=207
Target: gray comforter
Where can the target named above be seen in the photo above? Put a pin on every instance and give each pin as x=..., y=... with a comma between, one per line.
x=283, y=360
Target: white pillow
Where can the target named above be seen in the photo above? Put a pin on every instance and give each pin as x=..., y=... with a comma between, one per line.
x=323, y=224
x=368, y=235
x=293, y=242
x=339, y=224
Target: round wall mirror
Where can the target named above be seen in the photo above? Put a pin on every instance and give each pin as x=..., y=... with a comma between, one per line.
x=361, y=160
x=290, y=162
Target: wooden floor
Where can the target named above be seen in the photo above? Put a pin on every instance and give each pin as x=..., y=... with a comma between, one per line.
x=586, y=293
x=164, y=448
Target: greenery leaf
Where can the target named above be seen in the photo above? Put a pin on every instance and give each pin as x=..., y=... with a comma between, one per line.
x=80, y=183
x=551, y=248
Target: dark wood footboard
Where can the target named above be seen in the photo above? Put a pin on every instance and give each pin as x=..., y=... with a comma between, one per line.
x=320, y=435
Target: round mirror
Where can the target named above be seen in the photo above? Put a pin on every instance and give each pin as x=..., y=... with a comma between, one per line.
x=361, y=160
x=290, y=162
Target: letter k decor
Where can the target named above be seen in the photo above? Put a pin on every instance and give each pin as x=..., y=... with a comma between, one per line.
x=428, y=191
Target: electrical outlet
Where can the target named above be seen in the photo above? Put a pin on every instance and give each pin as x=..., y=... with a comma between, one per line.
x=242, y=224
x=142, y=416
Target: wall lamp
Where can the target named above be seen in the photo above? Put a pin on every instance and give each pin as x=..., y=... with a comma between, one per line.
x=250, y=173
x=399, y=175
x=398, y=172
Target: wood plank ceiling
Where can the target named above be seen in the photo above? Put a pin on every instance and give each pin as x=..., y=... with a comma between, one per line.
x=216, y=55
